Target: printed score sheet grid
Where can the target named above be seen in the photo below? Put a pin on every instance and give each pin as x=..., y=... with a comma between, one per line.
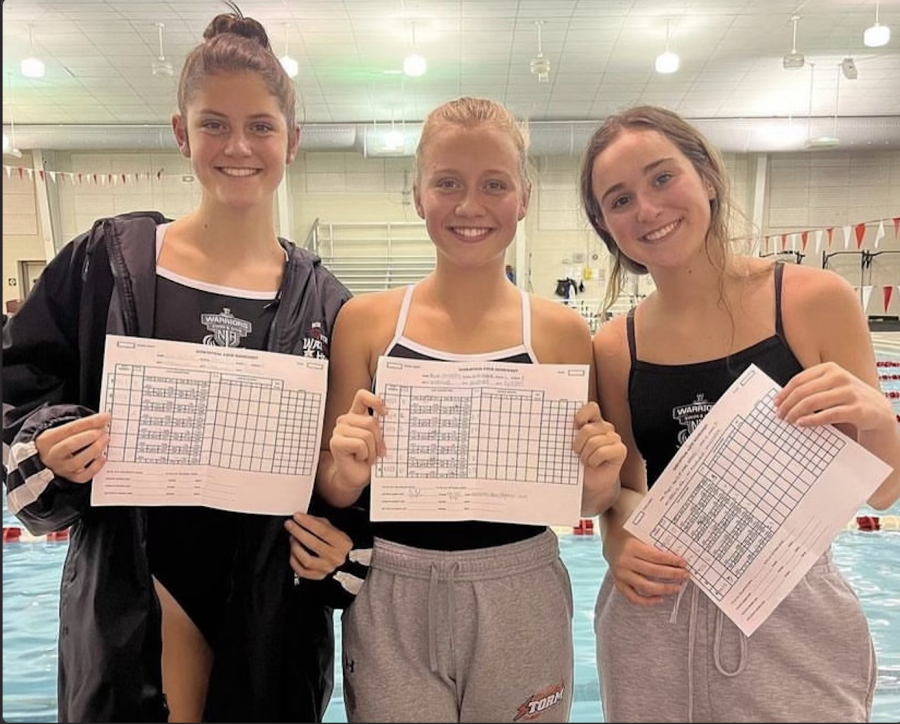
x=751, y=501
x=224, y=427
x=482, y=440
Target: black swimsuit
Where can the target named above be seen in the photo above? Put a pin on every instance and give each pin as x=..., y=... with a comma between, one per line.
x=471, y=534
x=668, y=401
x=191, y=549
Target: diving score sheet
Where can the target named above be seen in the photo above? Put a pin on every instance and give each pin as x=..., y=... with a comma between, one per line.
x=225, y=427
x=751, y=501
x=480, y=440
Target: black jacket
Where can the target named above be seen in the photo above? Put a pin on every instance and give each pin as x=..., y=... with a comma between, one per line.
x=276, y=663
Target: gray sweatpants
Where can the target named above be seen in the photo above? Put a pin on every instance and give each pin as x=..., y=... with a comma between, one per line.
x=812, y=660
x=465, y=636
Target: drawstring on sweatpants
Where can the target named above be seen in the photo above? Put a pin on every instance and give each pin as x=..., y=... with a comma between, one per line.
x=717, y=643
x=433, y=612
x=692, y=631
x=432, y=620
x=742, y=660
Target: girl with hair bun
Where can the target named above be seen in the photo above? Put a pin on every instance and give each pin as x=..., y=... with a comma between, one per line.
x=183, y=613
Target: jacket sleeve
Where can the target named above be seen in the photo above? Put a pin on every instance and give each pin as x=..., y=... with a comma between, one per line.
x=340, y=588
x=40, y=390
x=43, y=501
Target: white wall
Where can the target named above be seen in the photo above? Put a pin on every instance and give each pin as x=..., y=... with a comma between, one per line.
x=22, y=239
x=801, y=191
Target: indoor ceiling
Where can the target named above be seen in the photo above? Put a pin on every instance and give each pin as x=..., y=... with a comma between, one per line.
x=99, y=57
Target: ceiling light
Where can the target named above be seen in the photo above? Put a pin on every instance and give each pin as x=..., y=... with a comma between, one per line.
x=32, y=67
x=161, y=66
x=291, y=67
x=667, y=62
x=540, y=66
x=414, y=64
x=876, y=35
x=822, y=142
x=793, y=60
x=393, y=140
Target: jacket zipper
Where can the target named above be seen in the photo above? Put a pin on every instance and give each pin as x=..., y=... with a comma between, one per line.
x=121, y=279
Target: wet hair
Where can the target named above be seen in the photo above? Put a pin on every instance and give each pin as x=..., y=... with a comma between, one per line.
x=469, y=113
x=704, y=157
x=233, y=43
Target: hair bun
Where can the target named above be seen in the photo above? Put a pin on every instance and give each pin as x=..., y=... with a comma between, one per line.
x=245, y=27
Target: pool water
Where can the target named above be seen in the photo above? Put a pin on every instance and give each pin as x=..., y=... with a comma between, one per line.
x=31, y=574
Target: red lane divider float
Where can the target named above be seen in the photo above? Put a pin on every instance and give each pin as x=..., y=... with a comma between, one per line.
x=868, y=522
x=15, y=534
x=585, y=527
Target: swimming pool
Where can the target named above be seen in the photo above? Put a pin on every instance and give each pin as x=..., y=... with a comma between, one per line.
x=31, y=599
x=31, y=575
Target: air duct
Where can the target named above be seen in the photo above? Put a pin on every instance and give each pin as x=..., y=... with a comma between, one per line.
x=548, y=138
x=121, y=137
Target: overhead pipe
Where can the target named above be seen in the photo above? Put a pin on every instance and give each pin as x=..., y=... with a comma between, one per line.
x=548, y=138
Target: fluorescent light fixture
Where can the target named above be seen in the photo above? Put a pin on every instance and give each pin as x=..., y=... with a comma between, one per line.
x=822, y=142
x=33, y=68
x=414, y=65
